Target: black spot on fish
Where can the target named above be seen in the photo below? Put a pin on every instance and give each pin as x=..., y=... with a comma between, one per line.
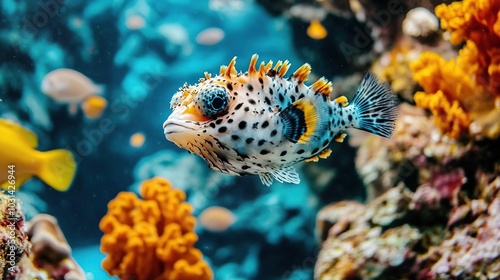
x=301, y=151
x=265, y=124
x=349, y=117
x=212, y=125
x=261, y=81
x=264, y=152
x=250, y=87
x=235, y=137
x=252, y=101
x=249, y=140
x=237, y=107
x=292, y=98
x=281, y=97
x=255, y=125
x=222, y=129
x=242, y=125
x=266, y=100
x=327, y=141
x=314, y=151
x=247, y=109
x=273, y=133
x=230, y=121
x=245, y=167
x=271, y=73
x=261, y=142
x=283, y=153
x=296, y=89
x=301, y=96
x=219, y=121
x=229, y=86
x=271, y=91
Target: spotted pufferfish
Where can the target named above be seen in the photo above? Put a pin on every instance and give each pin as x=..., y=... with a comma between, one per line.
x=261, y=122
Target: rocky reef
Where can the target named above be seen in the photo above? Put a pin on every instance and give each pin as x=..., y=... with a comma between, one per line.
x=36, y=249
x=14, y=240
x=433, y=189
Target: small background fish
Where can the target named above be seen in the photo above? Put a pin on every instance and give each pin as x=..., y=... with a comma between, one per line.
x=261, y=122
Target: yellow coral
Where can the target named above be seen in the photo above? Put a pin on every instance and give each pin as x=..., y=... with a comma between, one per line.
x=461, y=91
x=153, y=237
x=451, y=118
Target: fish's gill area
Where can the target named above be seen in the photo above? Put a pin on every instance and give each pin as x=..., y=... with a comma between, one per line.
x=91, y=189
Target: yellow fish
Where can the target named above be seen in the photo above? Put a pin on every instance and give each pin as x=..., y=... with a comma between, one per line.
x=19, y=160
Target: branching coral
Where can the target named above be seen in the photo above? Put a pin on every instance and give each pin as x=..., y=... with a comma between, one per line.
x=153, y=237
x=462, y=93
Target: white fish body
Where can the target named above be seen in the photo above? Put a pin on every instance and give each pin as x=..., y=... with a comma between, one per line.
x=260, y=122
x=68, y=86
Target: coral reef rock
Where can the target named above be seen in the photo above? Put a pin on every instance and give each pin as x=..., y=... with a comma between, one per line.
x=50, y=250
x=14, y=240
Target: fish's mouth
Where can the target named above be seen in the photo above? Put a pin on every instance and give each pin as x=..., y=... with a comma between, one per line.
x=172, y=127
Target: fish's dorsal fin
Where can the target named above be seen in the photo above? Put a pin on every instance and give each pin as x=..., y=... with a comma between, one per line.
x=230, y=69
x=284, y=68
x=264, y=68
x=322, y=86
x=302, y=73
x=26, y=135
x=300, y=121
x=252, y=68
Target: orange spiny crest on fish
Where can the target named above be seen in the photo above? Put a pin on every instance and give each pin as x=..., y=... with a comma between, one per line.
x=261, y=122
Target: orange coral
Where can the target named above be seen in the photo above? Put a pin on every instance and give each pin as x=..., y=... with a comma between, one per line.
x=153, y=237
x=461, y=92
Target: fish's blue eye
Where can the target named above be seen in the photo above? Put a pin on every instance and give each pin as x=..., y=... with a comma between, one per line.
x=213, y=101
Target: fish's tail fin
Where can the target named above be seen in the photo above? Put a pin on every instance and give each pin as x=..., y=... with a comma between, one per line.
x=57, y=169
x=375, y=107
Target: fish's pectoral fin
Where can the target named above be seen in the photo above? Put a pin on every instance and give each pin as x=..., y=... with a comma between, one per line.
x=285, y=175
x=266, y=179
x=340, y=136
x=20, y=180
x=342, y=100
x=300, y=120
x=312, y=159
